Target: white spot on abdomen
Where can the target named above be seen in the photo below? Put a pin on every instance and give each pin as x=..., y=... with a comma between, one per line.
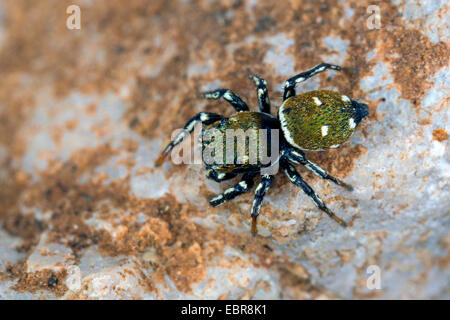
x=324, y=131
x=351, y=123
x=284, y=126
x=345, y=98
x=317, y=101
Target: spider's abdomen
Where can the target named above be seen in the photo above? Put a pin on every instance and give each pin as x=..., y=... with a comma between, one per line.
x=245, y=149
x=319, y=120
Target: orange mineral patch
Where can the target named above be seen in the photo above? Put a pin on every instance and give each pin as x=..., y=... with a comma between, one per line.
x=440, y=135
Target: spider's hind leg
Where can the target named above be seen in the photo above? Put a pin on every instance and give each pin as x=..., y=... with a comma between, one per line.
x=203, y=117
x=296, y=179
x=299, y=158
x=289, y=86
x=262, y=93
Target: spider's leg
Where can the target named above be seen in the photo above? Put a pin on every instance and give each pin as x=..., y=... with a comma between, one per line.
x=203, y=117
x=262, y=93
x=228, y=96
x=243, y=186
x=299, y=158
x=289, y=86
x=260, y=192
x=296, y=179
x=218, y=176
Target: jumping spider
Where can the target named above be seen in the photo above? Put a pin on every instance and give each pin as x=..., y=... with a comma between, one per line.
x=311, y=121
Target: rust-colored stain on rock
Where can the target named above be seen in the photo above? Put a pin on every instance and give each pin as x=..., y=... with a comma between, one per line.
x=440, y=135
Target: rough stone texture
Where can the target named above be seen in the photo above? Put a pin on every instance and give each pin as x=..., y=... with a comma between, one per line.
x=84, y=113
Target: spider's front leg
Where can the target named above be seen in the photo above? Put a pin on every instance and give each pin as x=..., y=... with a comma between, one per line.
x=262, y=93
x=299, y=158
x=203, y=117
x=296, y=179
x=289, y=86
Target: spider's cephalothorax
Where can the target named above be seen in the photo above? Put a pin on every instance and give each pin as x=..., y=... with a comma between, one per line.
x=312, y=121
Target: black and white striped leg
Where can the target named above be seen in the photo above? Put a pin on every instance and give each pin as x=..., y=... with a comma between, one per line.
x=203, y=117
x=260, y=192
x=296, y=179
x=243, y=186
x=228, y=96
x=262, y=93
x=218, y=176
x=298, y=157
x=289, y=86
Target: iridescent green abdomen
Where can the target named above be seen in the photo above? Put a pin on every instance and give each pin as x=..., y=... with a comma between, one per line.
x=319, y=120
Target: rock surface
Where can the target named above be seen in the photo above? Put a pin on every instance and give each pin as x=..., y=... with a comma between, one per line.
x=84, y=114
